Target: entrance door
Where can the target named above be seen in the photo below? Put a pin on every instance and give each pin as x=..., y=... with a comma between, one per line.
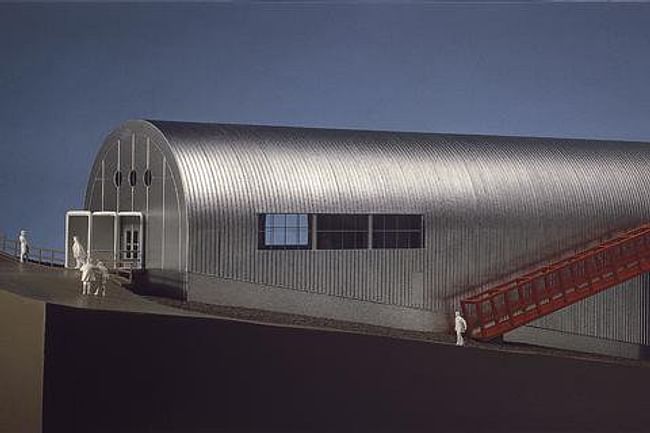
x=131, y=241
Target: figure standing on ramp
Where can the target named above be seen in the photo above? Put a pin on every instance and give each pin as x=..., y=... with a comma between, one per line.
x=87, y=277
x=103, y=278
x=460, y=326
x=78, y=252
x=24, y=246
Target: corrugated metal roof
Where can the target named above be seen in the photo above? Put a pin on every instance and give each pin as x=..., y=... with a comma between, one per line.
x=492, y=205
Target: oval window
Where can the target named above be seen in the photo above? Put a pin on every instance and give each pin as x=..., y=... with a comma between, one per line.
x=133, y=178
x=117, y=178
x=147, y=177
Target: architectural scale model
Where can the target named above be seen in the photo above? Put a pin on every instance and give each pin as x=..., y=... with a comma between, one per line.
x=384, y=228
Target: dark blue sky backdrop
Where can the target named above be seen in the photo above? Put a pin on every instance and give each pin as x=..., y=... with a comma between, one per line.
x=69, y=73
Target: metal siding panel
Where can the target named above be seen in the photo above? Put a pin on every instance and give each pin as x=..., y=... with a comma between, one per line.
x=124, y=196
x=154, y=223
x=171, y=223
x=140, y=165
x=617, y=314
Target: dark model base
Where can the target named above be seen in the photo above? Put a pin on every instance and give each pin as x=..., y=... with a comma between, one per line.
x=125, y=372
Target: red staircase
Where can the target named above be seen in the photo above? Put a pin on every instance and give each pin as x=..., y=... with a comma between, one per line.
x=528, y=297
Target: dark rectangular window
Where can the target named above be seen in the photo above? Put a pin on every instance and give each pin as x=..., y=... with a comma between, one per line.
x=397, y=231
x=284, y=231
x=341, y=231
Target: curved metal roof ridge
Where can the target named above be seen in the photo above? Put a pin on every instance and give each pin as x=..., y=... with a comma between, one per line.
x=175, y=126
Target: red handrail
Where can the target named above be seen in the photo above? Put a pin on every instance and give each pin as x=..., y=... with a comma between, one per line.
x=551, y=287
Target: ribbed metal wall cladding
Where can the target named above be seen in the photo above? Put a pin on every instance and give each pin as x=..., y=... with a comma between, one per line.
x=491, y=206
x=620, y=313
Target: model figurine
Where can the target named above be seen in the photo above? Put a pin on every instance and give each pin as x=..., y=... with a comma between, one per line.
x=102, y=277
x=87, y=277
x=24, y=246
x=460, y=326
x=78, y=252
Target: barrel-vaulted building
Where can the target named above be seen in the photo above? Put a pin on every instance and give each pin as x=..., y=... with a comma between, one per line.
x=385, y=228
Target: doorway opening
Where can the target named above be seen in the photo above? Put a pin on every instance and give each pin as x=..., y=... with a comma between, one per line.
x=131, y=253
x=115, y=238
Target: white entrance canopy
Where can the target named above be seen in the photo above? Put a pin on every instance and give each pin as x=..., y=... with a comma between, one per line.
x=115, y=238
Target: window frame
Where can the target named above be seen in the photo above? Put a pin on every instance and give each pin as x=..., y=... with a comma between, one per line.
x=365, y=229
x=343, y=229
x=399, y=230
x=262, y=229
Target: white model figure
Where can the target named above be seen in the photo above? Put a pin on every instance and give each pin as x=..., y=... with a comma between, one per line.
x=24, y=246
x=103, y=278
x=78, y=252
x=87, y=277
x=460, y=326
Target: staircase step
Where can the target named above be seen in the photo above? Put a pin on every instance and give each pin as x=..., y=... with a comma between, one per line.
x=506, y=306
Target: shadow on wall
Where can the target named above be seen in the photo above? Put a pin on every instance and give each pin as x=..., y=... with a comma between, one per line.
x=167, y=284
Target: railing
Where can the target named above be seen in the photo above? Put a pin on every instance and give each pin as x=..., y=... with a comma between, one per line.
x=126, y=259
x=41, y=256
x=554, y=286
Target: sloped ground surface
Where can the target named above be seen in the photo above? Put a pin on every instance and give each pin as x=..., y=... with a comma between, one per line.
x=293, y=320
x=63, y=287
x=127, y=364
